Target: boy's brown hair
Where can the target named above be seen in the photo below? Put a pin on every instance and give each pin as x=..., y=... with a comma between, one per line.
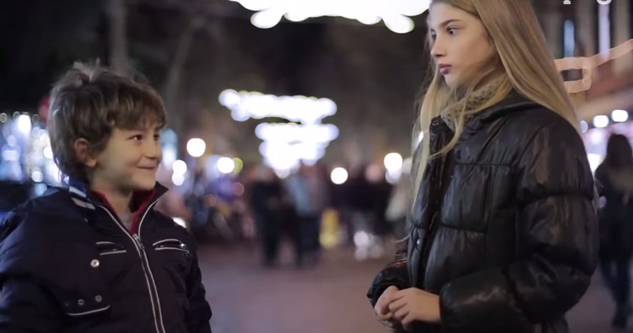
x=89, y=102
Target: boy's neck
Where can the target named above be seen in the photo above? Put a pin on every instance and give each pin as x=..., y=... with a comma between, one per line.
x=119, y=200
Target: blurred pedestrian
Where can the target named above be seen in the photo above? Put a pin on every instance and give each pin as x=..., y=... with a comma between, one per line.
x=266, y=201
x=615, y=179
x=308, y=193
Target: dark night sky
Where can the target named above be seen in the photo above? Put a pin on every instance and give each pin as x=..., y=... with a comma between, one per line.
x=39, y=39
x=372, y=74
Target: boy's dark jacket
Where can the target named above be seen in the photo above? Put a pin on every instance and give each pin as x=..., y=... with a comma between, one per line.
x=68, y=265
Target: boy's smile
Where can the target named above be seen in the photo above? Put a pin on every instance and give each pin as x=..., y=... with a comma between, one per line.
x=129, y=161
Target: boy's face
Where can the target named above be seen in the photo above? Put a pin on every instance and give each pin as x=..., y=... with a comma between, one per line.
x=129, y=161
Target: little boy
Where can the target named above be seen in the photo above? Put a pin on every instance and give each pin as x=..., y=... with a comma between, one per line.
x=96, y=257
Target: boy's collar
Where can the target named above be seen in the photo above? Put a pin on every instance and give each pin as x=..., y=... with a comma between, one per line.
x=83, y=197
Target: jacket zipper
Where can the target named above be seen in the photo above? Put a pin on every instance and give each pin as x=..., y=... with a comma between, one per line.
x=147, y=271
x=138, y=239
x=431, y=231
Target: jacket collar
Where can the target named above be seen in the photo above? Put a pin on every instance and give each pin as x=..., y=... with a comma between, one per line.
x=88, y=200
x=513, y=102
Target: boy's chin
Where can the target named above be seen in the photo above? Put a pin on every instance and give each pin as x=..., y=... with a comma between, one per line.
x=143, y=185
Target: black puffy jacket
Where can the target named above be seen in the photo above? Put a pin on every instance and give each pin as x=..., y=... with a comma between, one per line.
x=505, y=229
x=68, y=265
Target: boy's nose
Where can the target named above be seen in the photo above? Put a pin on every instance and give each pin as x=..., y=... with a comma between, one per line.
x=152, y=150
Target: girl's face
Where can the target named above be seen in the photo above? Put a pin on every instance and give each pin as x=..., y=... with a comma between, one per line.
x=461, y=48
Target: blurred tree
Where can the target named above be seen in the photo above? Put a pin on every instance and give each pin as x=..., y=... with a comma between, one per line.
x=116, y=11
x=39, y=39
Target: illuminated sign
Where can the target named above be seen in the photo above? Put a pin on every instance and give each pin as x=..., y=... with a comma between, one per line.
x=286, y=145
x=587, y=64
x=245, y=105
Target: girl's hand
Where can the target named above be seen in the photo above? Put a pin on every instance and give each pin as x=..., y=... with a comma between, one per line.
x=414, y=304
x=382, y=305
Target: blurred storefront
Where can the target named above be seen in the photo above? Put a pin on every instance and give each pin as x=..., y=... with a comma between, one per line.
x=26, y=161
x=585, y=29
x=26, y=150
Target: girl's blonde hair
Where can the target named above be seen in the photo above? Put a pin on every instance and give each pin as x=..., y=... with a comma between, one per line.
x=523, y=63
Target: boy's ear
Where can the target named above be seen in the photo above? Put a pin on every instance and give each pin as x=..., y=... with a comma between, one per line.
x=82, y=151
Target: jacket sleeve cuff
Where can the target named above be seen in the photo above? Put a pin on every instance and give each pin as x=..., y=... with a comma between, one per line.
x=395, y=275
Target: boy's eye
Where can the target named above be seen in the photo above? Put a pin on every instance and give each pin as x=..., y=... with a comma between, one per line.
x=157, y=137
x=137, y=137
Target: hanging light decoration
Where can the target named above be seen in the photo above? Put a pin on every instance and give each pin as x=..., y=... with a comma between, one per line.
x=394, y=13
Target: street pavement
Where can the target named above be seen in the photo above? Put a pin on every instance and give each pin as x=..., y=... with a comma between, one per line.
x=329, y=298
